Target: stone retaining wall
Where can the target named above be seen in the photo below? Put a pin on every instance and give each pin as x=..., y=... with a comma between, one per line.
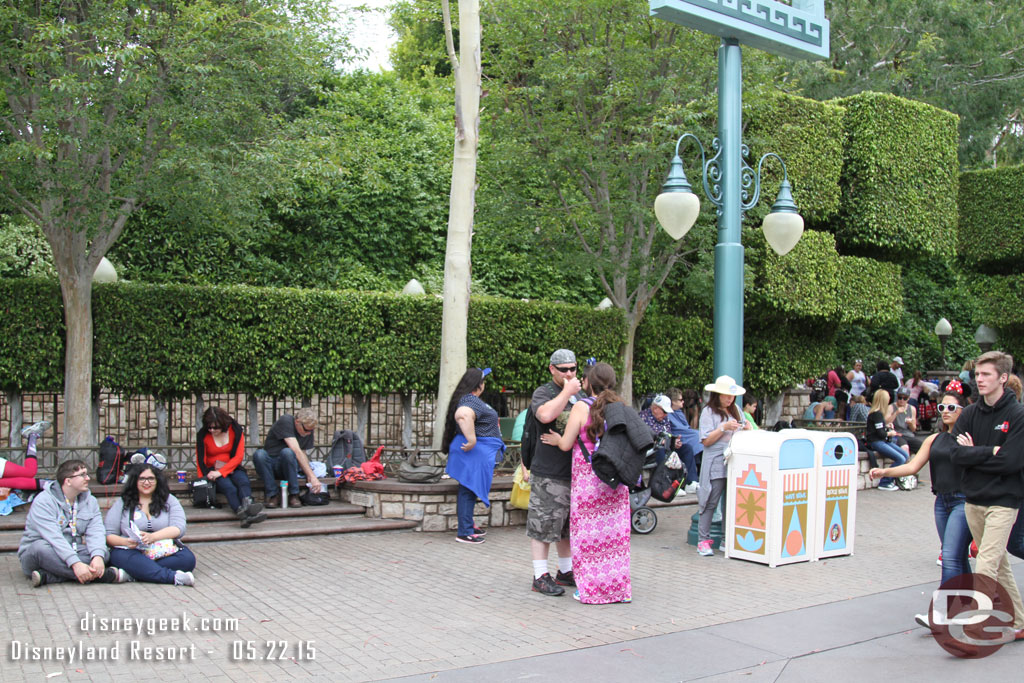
x=432, y=506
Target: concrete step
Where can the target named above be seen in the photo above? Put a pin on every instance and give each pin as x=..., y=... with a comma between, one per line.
x=209, y=525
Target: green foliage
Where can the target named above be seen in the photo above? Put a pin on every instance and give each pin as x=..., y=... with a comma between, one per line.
x=963, y=57
x=24, y=251
x=804, y=282
x=420, y=50
x=32, y=345
x=672, y=351
x=870, y=292
x=992, y=219
x=808, y=135
x=899, y=180
x=362, y=203
x=779, y=353
x=1000, y=299
x=929, y=291
x=173, y=340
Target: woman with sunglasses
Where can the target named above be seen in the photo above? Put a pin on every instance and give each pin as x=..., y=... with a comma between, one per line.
x=472, y=439
x=220, y=447
x=950, y=520
x=143, y=530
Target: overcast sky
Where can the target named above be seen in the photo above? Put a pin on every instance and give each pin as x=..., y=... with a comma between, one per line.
x=371, y=33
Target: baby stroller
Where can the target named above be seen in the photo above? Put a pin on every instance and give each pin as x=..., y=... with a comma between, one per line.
x=642, y=518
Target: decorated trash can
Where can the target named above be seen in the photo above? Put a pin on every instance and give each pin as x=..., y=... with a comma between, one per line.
x=771, y=507
x=835, y=494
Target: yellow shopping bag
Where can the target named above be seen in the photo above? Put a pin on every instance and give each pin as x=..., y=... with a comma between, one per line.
x=520, y=497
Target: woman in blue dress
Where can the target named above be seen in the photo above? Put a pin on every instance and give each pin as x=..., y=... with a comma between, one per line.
x=472, y=439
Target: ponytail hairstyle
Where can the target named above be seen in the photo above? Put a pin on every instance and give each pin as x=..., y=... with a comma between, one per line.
x=470, y=382
x=601, y=378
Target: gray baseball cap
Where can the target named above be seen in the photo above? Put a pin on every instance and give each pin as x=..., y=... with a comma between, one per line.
x=563, y=356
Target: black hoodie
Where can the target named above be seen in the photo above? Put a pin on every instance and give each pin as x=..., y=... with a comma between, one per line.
x=987, y=478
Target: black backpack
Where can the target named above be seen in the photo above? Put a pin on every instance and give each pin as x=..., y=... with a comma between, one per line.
x=346, y=450
x=111, y=462
x=531, y=435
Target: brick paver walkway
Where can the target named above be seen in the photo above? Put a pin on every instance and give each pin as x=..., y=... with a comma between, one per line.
x=375, y=606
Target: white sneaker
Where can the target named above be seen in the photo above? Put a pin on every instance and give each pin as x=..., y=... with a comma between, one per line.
x=37, y=428
x=922, y=620
x=184, y=579
x=692, y=487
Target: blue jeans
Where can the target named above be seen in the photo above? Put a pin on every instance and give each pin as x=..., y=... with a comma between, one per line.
x=142, y=568
x=235, y=487
x=272, y=468
x=887, y=450
x=464, y=505
x=951, y=523
x=1015, y=544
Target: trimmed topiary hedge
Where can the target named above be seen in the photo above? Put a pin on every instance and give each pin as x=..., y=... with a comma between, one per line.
x=804, y=282
x=899, y=180
x=672, y=351
x=992, y=219
x=808, y=135
x=870, y=292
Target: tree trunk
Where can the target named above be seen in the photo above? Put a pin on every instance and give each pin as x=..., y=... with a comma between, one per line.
x=14, y=401
x=161, y=422
x=77, y=295
x=253, y=408
x=626, y=381
x=406, y=420
x=461, y=204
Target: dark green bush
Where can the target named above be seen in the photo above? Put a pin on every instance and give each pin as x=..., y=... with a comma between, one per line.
x=899, y=179
x=992, y=219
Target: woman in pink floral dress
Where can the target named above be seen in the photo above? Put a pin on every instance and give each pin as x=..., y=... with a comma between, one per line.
x=598, y=515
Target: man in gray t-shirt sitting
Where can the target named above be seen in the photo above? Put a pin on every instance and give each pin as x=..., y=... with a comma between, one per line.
x=284, y=453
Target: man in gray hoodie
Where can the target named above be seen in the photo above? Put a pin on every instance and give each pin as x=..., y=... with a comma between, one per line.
x=64, y=538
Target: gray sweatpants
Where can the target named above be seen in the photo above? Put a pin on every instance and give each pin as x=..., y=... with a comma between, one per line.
x=708, y=511
x=41, y=556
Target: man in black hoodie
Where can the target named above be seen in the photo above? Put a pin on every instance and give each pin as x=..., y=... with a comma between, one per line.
x=990, y=451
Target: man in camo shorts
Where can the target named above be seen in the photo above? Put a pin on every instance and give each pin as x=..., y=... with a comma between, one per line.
x=547, y=520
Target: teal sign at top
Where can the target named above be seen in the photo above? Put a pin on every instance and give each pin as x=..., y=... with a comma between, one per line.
x=797, y=31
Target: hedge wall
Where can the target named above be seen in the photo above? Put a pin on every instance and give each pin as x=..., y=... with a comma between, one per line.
x=174, y=340
x=870, y=291
x=813, y=281
x=808, y=135
x=899, y=179
x=991, y=232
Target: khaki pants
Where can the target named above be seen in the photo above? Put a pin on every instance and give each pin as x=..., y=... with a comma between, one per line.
x=991, y=525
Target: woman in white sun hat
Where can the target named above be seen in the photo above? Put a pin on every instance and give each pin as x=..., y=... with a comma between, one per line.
x=720, y=418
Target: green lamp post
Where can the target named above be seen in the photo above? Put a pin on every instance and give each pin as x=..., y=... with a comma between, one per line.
x=799, y=31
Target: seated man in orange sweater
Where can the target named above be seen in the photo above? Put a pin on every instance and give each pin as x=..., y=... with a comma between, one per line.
x=220, y=447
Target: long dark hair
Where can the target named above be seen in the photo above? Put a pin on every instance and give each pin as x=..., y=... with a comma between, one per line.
x=130, y=492
x=601, y=379
x=716, y=408
x=691, y=406
x=470, y=381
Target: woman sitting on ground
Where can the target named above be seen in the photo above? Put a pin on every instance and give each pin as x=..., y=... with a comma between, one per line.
x=878, y=435
x=472, y=438
x=220, y=447
x=23, y=477
x=143, y=530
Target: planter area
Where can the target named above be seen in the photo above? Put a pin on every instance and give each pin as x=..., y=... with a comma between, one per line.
x=431, y=506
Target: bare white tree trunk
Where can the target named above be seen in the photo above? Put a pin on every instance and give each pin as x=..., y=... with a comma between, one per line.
x=406, y=420
x=467, y=69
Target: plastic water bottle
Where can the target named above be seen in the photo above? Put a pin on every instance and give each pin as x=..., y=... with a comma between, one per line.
x=284, y=495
